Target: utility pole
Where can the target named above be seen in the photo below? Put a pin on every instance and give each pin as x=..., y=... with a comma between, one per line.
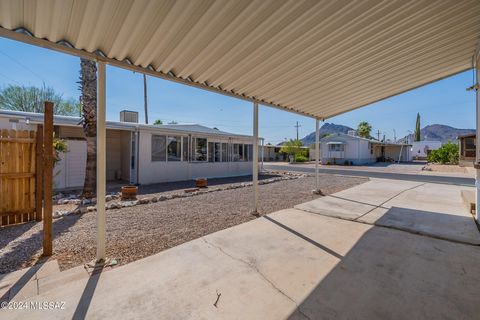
x=378, y=135
x=297, y=126
x=394, y=136
x=145, y=97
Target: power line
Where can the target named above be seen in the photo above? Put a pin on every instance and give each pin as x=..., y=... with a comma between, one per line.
x=24, y=66
x=297, y=126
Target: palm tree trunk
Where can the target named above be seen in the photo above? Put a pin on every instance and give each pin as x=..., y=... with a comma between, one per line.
x=88, y=99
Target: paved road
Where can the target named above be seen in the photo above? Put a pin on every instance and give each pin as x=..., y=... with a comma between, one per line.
x=384, y=175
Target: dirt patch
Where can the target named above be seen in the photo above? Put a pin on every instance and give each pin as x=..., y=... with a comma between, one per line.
x=446, y=168
x=140, y=231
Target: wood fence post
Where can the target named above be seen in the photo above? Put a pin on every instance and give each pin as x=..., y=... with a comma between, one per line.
x=39, y=174
x=48, y=179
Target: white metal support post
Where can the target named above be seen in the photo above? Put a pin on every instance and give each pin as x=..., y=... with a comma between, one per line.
x=101, y=160
x=317, y=155
x=255, y=158
x=477, y=139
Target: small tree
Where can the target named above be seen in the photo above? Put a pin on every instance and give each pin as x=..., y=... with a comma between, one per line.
x=446, y=154
x=364, y=129
x=417, y=129
x=30, y=99
x=293, y=148
x=157, y=122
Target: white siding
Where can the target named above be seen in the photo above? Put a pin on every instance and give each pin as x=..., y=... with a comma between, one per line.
x=164, y=171
x=70, y=170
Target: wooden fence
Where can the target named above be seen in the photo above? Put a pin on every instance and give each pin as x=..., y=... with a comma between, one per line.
x=17, y=177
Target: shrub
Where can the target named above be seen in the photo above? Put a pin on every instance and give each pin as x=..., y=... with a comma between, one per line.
x=300, y=158
x=327, y=163
x=346, y=163
x=446, y=154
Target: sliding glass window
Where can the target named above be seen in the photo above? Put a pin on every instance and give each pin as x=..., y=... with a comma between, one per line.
x=159, y=148
x=174, y=148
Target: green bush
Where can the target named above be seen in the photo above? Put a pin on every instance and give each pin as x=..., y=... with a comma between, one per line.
x=327, y=163
x=346, y=163
x=300, y=158
x=446, y=154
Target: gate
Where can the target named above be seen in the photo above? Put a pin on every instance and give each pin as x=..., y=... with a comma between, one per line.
x=17, y=176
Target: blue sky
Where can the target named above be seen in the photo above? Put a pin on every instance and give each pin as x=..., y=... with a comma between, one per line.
x=445, y=102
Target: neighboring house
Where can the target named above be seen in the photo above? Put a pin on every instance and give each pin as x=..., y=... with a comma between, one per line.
x=421, y=149
x=467, y=149
x=145, y=154
x=339, y=148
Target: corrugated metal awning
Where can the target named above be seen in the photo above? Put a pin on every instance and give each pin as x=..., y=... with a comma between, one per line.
x=335, y=142
x=318, y=58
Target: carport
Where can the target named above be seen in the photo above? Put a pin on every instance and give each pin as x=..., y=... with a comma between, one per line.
x=315, y=58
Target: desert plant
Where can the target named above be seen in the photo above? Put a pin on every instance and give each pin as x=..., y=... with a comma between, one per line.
x=88, y=100
x=293, y=148
x=327, y=163
x=446, y=154
x=364, y=129
x=300, y=158
x=417, y=129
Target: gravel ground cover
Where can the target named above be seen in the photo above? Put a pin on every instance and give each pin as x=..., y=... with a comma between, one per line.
x=140, y=231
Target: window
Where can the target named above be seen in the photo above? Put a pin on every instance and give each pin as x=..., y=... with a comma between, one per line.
x=218, y=153
x=185, y=148
x=174, y=148
x=200, y=149
x=336, y=147
x=159, y=152
x=236, y=152
x=224, y=152
x=211, y=150
x=250, y=152
x=241, y=154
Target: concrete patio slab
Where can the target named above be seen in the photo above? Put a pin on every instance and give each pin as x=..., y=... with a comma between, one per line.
x=430, y=209
x=352, y=203
x=290, y=264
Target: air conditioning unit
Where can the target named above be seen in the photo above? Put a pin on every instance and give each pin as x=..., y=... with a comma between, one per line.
x=129, y=116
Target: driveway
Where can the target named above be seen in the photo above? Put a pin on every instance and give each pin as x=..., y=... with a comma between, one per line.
x=409, y=172
x=302, y=263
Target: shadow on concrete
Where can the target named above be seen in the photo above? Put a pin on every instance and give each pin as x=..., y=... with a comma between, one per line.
x=298, y=234
x=440, y=225
x=87, y=294
x=390, y=274
x=180, y=185
x=21, y=282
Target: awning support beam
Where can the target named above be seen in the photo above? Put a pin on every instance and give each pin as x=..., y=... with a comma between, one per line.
x=255, y=159
x=101, y=160
x=477, y=140
x=317, y=156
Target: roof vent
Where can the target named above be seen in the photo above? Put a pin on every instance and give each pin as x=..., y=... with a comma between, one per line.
x=352, y=133
x=129, y=116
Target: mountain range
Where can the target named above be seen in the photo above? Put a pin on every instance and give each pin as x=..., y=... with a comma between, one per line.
x=435, y=132
x=440, y=132
x=325, y=129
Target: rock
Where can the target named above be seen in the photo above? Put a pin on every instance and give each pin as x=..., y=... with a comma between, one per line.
x=125, y=204
x=113, y=205
x=145, y=200
x=75, y=202
x=76, y=211
x=86, y=201
x=154, y=199
x=108, y=198
x=162, y=198
x=59, y=213
x=91, y=208
x=83, y=210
